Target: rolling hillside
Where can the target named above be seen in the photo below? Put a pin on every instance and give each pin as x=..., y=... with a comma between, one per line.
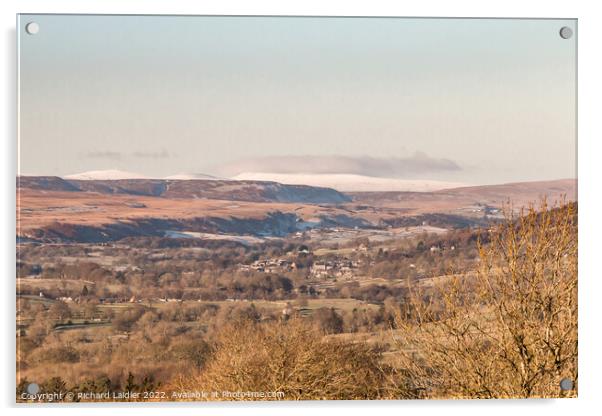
x=253, y=191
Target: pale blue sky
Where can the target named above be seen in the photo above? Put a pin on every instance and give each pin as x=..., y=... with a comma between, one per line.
x=161, y=95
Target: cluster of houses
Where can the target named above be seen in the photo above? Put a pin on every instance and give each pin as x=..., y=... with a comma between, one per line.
x=334, y=268
x=270, y=266
x=319, y=270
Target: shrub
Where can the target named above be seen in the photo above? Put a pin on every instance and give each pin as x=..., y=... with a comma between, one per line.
x=59, y=354
x=328, y=321
x=292, y=358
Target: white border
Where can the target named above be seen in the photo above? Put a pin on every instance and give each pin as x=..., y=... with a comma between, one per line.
x=590, y=137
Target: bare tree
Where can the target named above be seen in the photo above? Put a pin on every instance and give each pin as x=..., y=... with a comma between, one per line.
x=510, y=328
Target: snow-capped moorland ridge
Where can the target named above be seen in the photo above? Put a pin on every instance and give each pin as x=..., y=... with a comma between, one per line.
x=351, y=182
x=110, y=174
x=193, y=176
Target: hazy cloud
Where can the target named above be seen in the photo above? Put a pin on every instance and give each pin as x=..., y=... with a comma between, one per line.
x=104, y=155
x=111, y=155
x=163, y=154
x=419, y=163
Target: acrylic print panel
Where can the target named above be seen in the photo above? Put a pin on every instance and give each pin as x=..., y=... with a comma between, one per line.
x=282, y=208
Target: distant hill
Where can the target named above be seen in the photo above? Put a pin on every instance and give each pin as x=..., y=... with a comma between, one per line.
x=516, y=190
x=457, y=200
x=253, y=191
x=53, y=209
x=47, y=183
